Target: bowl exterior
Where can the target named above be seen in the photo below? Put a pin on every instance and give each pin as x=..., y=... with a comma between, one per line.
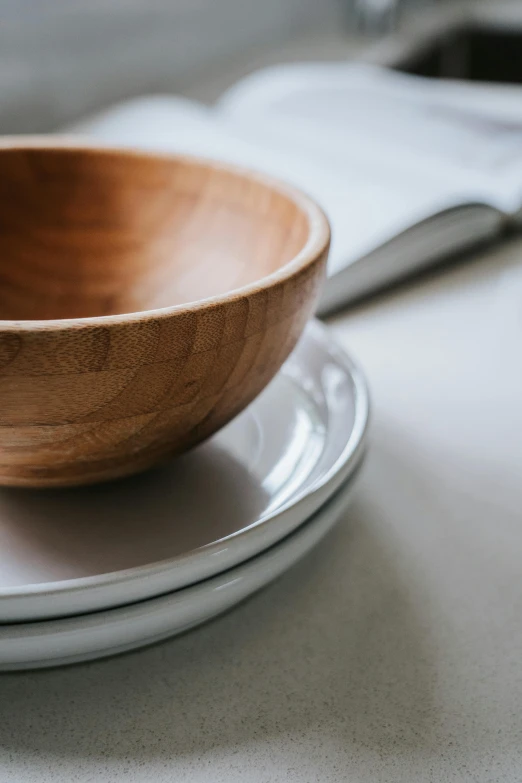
x=86, y=403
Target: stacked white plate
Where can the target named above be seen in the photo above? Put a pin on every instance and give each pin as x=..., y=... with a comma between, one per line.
x=95, y=571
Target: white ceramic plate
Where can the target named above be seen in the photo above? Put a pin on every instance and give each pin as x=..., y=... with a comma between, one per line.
x=96, y=635
x=66, y=552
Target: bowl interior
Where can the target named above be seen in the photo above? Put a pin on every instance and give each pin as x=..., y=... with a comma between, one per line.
x=88, y=233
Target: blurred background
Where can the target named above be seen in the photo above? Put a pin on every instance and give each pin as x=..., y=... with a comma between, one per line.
x=77, y=66
x=60, y=60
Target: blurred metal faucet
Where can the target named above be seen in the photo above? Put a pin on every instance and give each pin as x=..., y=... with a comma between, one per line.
x=376, y=17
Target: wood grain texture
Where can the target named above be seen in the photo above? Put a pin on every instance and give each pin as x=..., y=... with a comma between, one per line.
x=145, y=301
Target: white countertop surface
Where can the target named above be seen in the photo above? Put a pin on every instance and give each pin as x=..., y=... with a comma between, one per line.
x=390, y=654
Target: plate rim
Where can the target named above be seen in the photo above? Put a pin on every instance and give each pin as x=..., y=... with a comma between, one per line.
x=340, y=470
x=304, y=538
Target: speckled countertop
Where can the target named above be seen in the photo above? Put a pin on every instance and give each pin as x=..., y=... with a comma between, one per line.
x=392, y=653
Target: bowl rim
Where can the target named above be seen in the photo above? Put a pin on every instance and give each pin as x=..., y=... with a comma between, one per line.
x=317, y=242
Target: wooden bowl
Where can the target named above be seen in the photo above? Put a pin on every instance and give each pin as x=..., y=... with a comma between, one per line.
x=145, y=301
